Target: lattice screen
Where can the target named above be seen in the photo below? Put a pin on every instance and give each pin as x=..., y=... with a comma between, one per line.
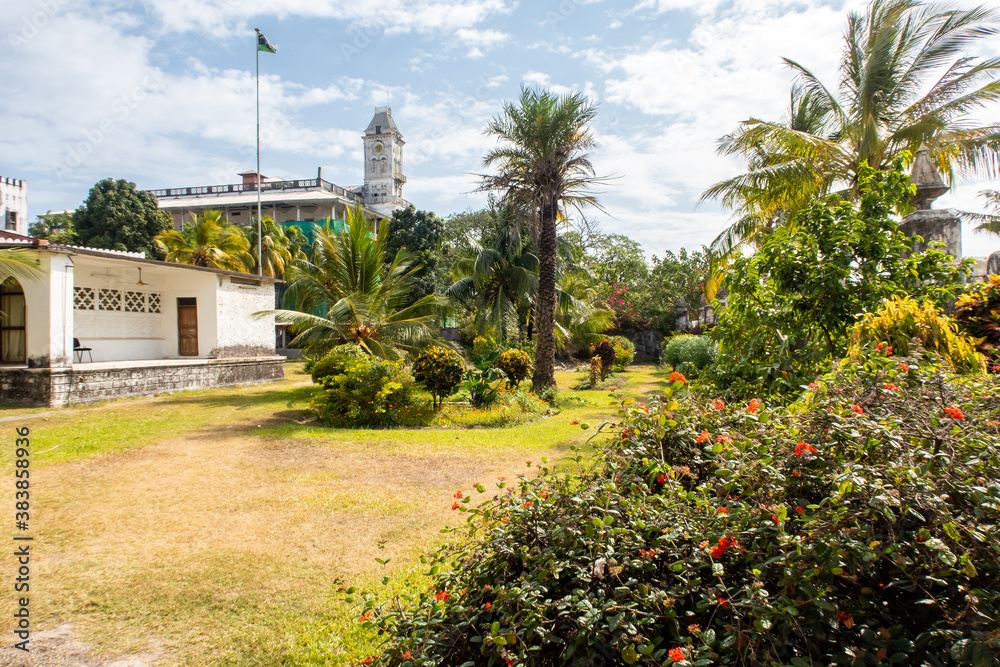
x=154, y=303
x=83, y=298
x=135, y=302
x=110, y=299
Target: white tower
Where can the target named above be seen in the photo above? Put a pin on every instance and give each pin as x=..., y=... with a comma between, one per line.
x=383, y=189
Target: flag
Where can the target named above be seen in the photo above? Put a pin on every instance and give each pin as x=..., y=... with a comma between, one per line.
x=263, y=44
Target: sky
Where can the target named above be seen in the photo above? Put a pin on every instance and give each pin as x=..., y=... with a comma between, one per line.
x=162, y=93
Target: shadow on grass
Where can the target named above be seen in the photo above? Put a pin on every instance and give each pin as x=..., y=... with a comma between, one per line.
x=246, y=398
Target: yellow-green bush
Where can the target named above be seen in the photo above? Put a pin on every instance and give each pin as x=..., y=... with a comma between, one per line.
x=440, y=371
x=902, y=322
x=515, y=363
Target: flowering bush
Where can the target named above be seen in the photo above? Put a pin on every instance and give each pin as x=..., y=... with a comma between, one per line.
x=710, y=533
x=978, y=315
x=439, y=370
x=901, y=324
x=623, y=303
x=606, y=351
x=515, y=363
x=624, y=352
x=334, y=362
x=365, y=391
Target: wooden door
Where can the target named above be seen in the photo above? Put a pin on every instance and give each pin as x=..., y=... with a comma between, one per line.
x=187, y=327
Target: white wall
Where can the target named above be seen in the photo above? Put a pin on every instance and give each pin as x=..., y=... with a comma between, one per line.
x=239, y=333
x=48, y=314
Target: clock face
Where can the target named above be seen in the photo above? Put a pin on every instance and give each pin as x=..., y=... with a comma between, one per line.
x=378, y=148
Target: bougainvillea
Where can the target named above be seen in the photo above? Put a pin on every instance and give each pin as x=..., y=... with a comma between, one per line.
x=849, y=537
x=440, y=371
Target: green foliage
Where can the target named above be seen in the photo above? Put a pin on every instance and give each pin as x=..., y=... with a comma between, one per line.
x=439, y=370
x=419, y=232
x=791, y=305
x=858, y=526
x=210, y=242
x=515, y=364
x=335, y=362
x=624, y=352
x=483, y=386
x=978, y=315
x=365, y=391
x=118, y=216
x=902, y=324
x=486, y=350
x=605, y=350
x=672, y=279
x=54, y=227
x=688, y=353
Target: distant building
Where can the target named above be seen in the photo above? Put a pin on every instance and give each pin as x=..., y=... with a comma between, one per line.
x=14, y=205
x=304, y=202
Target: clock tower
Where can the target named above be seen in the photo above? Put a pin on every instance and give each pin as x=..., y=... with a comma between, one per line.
x=383, y=189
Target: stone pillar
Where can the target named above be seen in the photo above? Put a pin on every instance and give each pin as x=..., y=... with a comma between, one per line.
x=931, y=225
x=49, y=313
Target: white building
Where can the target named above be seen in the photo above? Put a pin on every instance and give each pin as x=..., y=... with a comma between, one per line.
x=304, y=202
x=102, y=324
x=14, y=205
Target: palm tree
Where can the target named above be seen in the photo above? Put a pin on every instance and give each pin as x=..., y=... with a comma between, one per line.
x=207, y=242
x=348, y=293
x=904, y=80
x=989, y=223
x=541, y=165
x=21, y=265
x=276, y=247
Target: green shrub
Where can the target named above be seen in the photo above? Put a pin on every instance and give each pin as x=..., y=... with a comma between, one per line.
x=595, y=370
x=366, y=391
x=858, y=526
x=439, y=370
x=902, y=323
x=486, y=350
x=606, y=351
x=689, y=353
x=624, y=352
x=978, y=315
x=334, y=362
x=516, y=364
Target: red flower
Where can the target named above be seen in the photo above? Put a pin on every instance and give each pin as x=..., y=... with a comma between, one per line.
x=814, y=385
x=661, y=479
x=407, y=655
x=800, y=509
x=804, y=447
x=888, y=350
x=454, y=506
x=458, y=494
x=718, y=404
x=489, y=605
x=723, y=438
x=722, y=510
x=904, y=367
x=678, y=377
x=753, y=406
x=879, y=346
x=574, y=421
x=890, y=386
x=442, y=595
x=526, y=504
x=677, y=655
x=774, y=518
x=996, y=369
x=723, y=602
x=365, y=616
x=702, y=437
x=857, y=408
x=717, y=552
x=954, y=412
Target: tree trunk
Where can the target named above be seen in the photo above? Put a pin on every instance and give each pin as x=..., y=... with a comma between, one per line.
x=545, y=305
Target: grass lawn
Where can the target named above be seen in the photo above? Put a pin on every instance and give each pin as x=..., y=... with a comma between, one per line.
x=213, y=527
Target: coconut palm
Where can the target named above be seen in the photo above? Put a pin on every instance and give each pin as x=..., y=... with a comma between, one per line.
x=276, y=247
x=21, y=265
x=348, y=293
x=905, y=80
x=989, y=223
x=208, y=242
x=542, y=165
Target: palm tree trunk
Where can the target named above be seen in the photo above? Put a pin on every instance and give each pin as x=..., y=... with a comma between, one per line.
x=545, y=306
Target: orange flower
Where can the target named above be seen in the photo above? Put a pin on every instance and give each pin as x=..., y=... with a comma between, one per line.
x=678, y=377
x=890, y=386
x=954, y=412
x=661, y=478
x=753, y=406
x=442, y=595
x=723, y=438
x=677, y=655
x=458, y=494
x=407, y=655
x=814, y=385
x=719, y=405
x=454, y=506
x=804, y=447
x=489, y=605
x=365, y=616
x=857, y=408
x=702, y=437
x=722, y=510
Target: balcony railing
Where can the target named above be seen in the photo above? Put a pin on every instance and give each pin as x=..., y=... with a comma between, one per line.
x=267, y=186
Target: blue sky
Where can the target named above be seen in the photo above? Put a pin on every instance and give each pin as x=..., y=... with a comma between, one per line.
x=161, y=92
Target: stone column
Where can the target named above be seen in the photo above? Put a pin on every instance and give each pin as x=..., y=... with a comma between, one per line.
x=930, y=224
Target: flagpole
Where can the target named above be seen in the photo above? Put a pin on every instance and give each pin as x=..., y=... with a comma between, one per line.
x=260, y=258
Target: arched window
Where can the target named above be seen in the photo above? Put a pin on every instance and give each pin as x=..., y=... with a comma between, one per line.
x=13, y=342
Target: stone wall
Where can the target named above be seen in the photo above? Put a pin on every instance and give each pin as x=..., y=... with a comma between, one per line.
x=647, y=344
x=67, y=386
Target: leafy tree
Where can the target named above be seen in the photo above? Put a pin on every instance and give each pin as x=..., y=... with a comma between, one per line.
x=617, y=259
x=420, y=233
x=348, y=293
x=55, y=227
x=542, y=165
x=117, y=216
x=676, y=277
x=207, y=241
x=790, y=305
x=905, y=79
